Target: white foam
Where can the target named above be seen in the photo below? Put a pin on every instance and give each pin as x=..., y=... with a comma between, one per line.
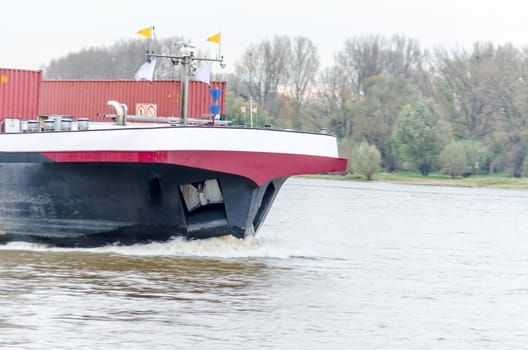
x=23, y=246
x=218, y=247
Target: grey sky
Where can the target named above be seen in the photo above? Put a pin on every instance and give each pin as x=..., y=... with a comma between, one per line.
x=34, y=32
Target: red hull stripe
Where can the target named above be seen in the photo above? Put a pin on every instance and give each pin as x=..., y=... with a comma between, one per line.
x=259, y=167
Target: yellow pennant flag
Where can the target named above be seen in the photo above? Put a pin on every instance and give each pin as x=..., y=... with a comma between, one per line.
x=146, y=32
x=215, y=38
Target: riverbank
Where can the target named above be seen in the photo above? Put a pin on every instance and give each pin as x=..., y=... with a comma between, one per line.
x=438, y=179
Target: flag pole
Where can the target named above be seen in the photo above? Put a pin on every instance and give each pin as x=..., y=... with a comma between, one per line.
x=220, y=46
x=150, y=50
x=251, y=111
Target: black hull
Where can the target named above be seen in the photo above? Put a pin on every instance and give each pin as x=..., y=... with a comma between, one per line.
x=90, y=204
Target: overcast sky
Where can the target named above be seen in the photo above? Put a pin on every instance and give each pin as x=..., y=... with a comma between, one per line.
x=35, y=32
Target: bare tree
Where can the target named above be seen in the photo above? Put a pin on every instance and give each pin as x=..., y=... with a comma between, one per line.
x=250, y=72
x=303, y=67
x=371, y=55
x=118, y=61
x=487, y=90
x=509, y=101
x=361, y=58
x=264, y=67
x=404, y=58
x=466, y=74
x=334, y=95
x=276, y=58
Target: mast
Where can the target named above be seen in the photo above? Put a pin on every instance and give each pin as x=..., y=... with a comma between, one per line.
x=185, y=74
x=188, y=68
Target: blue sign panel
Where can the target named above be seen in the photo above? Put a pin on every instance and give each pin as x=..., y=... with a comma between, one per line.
x=214, y=109
x=215, y=94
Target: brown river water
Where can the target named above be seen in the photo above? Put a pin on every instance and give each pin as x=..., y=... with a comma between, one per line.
x=337, y=265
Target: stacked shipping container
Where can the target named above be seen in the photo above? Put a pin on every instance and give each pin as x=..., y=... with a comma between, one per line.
x=85, y=98
x=19, y=93
x=23, y=94
x=88, y=99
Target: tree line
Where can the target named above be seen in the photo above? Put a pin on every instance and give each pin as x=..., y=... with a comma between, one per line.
x=462, y=111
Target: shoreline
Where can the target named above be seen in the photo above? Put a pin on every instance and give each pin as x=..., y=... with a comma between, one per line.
x=435, y=179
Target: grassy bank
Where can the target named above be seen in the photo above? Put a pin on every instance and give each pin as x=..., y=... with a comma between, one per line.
x=438, y=179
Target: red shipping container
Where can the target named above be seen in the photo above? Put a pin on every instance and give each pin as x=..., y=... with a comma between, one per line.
x=200, y=99
x=19, y=93
x=88, y=98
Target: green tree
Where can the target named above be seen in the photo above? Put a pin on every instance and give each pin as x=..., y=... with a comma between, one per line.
x=377, y=112
x=419, y=136
x=233, y=109
x=365, y=160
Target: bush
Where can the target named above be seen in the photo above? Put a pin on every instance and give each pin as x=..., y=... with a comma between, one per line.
x=453, y=160
x=476, y=155
x=365, y=160
x=463, y=158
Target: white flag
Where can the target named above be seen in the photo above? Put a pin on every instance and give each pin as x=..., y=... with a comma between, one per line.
x=203, y=74
x=146, y=71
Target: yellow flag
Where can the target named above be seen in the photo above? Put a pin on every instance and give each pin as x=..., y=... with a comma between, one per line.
x=146, y=32
x=215, y=38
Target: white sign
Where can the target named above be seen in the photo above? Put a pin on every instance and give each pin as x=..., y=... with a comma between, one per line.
x=146, y=109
